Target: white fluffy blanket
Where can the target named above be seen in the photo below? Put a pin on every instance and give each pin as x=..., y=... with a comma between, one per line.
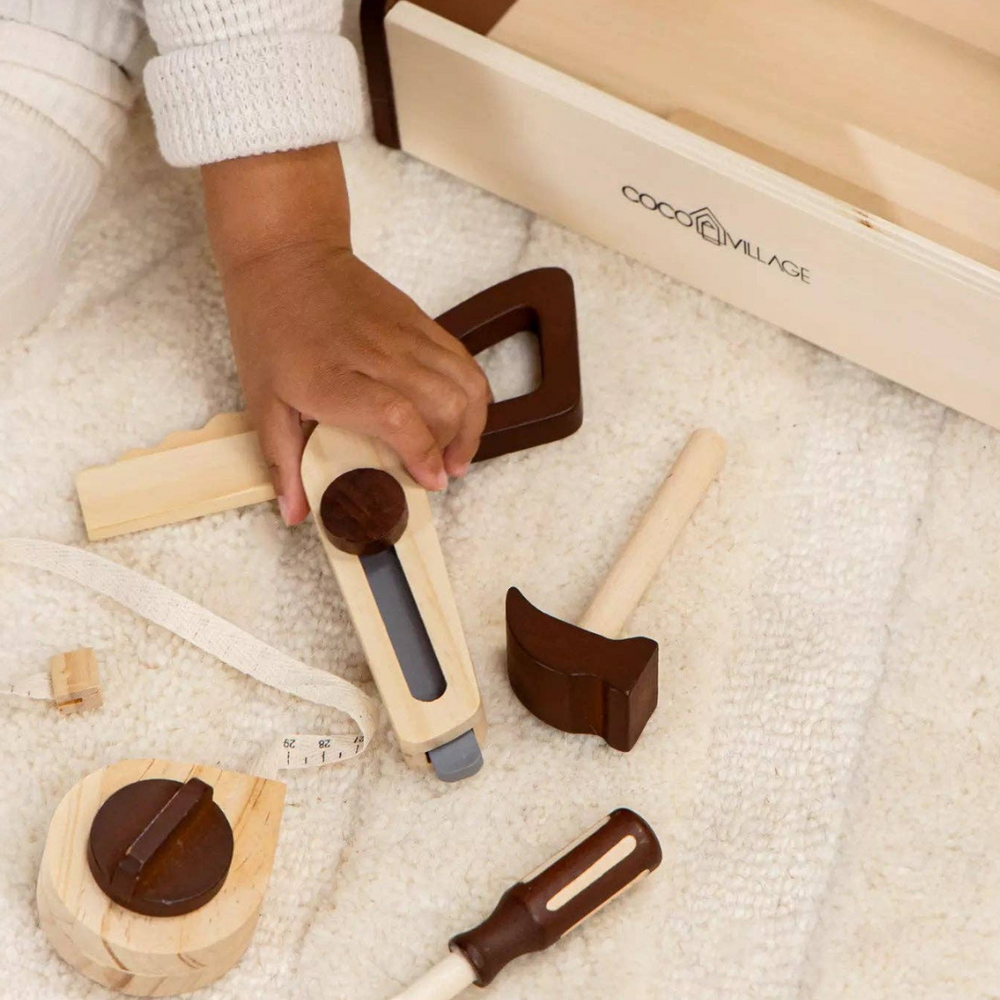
x=822, y=769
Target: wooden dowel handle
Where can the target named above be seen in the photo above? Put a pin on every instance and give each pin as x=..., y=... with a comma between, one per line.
x=446, y=980
x=687, y=482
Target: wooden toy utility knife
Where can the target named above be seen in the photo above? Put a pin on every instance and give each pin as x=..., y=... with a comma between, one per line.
x=375, y=525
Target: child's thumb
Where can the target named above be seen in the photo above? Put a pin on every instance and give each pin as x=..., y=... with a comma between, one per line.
x=282, y=441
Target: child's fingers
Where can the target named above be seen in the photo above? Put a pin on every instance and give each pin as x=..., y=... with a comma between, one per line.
x=439, y=399
x=470, y=375
x=362, y=404
x=461, y=367
x=282, y=440
x=448, y=341
x=461, y=446
x=459, y=454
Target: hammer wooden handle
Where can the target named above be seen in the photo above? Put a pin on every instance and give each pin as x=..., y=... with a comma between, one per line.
x=687, y=482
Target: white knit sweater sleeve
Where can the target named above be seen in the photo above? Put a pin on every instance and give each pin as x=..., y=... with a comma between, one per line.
x=239, y=77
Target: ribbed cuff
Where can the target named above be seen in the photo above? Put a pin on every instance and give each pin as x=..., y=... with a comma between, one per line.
x=111, y=28
x=254, y=95
x=79, y=91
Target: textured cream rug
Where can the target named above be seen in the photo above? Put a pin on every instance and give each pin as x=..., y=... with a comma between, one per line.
x=821, y=769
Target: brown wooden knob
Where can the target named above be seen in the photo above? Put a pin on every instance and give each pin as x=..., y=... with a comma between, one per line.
x=160, y=847
x=364, y=511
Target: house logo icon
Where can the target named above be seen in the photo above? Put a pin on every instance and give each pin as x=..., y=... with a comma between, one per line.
x=706, y=223
x=708, y=226
x=703, y=219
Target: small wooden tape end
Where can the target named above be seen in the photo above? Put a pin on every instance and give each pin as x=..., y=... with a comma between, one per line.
x=76, y=682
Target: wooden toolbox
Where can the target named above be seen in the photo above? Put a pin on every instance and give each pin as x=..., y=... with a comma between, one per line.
x=832, y=166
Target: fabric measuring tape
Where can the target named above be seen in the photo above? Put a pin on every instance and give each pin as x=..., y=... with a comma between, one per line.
x=214, y=635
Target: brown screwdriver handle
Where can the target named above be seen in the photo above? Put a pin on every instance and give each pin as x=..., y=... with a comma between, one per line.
x=540, y=909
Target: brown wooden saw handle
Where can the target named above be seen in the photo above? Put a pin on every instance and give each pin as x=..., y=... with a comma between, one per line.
x=540, y=909
x=543, y=303
x=686, y=483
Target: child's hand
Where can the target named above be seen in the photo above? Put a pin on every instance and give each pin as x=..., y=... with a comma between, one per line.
x=319, y=336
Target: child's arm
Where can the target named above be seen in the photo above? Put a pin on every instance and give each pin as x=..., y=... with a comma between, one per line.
x=257, y=93
x=319, y=335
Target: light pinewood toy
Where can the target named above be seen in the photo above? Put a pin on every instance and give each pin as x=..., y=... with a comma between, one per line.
x=146, y=955
x=76, y=682
x=220, y=467
x=830, y=165
x=189, y=474
x=861, y=121
x=422, y=724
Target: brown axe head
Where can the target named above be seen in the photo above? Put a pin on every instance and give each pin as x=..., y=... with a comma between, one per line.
x=579, y=681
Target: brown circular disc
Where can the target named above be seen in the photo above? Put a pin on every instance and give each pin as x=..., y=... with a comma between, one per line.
x=364, y=511
x=183, y=873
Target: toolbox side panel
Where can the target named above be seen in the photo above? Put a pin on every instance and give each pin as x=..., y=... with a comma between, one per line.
x=854, y=284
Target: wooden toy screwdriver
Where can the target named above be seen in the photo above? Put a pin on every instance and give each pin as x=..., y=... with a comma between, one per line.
x=540, y=909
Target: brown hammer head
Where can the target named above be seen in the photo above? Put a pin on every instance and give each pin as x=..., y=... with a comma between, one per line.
x=579, y=681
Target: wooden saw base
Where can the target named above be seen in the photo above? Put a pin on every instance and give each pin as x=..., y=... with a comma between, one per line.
x=157, y=956
x=189, y=474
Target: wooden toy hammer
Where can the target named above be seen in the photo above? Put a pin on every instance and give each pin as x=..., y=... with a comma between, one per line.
x=582, y=678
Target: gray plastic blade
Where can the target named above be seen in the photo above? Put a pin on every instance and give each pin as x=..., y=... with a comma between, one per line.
x=406, y=628
x=461, y=758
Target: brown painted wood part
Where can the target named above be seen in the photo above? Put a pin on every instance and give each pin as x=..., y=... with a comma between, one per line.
x=536, y=912
x=579, y=681
x=477, y=15
x=76, y=681
x=542, y=302
x=160, y=847
x=364, y=511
